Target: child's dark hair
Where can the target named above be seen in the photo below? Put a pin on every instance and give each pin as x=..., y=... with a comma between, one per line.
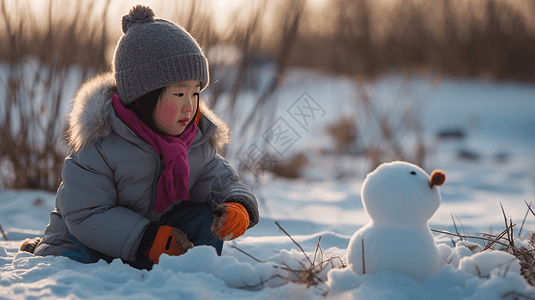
x=144, y=106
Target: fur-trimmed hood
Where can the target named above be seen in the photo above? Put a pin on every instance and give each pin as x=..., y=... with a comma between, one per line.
x=92, y=113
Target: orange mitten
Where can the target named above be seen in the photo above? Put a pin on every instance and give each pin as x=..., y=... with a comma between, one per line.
x=231, y=221
x=169, y=240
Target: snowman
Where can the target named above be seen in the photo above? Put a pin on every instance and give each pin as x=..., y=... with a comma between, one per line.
x=400, y=198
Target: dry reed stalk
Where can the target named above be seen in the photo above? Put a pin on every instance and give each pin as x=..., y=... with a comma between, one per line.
x=307, y=275
x=289, y=22
x=363, y=258
x=381, y=130
x=292, y=168
x=526, y=257
x=344, y=133
x=366, y=38
x=31, y=115
x=525, y=216
x=3, y=233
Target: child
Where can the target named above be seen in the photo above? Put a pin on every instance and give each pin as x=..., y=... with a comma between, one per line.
x=144, y=178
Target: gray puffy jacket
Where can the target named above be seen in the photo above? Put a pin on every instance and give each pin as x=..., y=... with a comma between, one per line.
x=109, y=183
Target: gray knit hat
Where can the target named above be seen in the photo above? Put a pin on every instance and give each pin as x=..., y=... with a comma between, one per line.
x=153, y=53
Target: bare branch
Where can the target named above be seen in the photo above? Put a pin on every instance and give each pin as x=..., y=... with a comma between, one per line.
x=280, y=227
x=3, y=233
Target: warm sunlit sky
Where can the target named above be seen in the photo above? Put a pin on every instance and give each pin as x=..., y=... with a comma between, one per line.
x=165, y=9
x=120, y=7
x=221, y=9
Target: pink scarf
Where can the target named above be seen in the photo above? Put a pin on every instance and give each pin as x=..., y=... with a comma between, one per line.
x=173, y=183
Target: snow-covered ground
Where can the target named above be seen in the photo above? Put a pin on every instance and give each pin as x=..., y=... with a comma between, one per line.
x=499, y=119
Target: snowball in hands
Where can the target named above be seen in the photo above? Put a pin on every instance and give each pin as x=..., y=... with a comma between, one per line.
x=400, y=198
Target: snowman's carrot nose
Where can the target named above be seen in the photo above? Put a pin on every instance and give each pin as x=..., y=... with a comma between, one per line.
x=437, y=178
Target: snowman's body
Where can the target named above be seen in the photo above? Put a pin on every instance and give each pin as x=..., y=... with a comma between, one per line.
x=410, y=251
x=399, y=200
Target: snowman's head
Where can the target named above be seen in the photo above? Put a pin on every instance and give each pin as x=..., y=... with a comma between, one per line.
x=401, y=194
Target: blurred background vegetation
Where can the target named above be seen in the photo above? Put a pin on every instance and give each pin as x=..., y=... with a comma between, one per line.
x=50, y=47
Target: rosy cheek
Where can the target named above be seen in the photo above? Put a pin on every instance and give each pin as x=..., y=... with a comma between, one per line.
x=167, y=112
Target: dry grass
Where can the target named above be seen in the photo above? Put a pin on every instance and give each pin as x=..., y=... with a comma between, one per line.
x=66, y=33
x=311, y=267
x=3, y=233
x=391, y=131
x=460, y=38
x=37, y=65
x=385, y=130
x=267, y=31
x=505, y=241
x=292, y=168
x=344, y=134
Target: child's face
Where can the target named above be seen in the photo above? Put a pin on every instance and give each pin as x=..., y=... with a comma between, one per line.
x=176, y=107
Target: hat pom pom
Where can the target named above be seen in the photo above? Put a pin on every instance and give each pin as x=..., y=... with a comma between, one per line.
x=138, y=15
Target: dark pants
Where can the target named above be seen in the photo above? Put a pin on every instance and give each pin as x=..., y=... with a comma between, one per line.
x=195, y=221
x=192, y=219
